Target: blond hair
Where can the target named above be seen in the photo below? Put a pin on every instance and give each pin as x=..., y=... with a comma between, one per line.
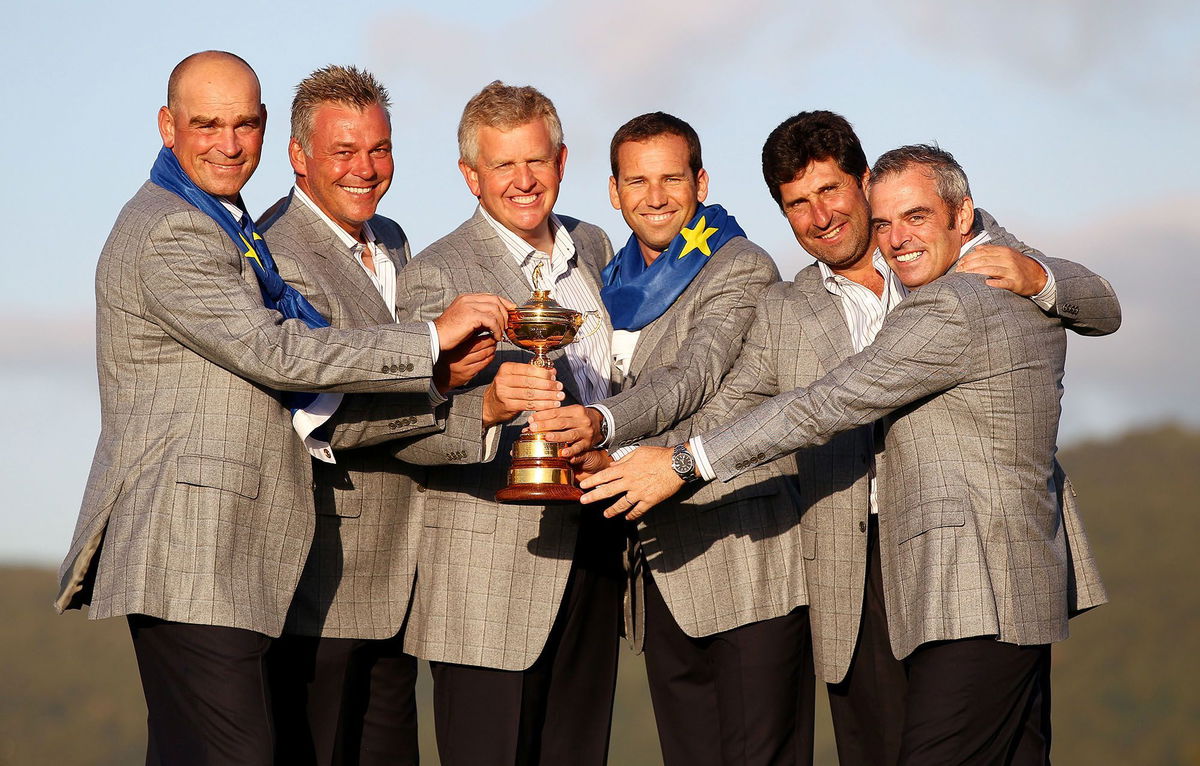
x=504, y=107
x=345, y=85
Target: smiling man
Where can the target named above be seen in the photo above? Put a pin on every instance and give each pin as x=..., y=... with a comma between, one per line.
x=713, y=602
x=340, y=666
x=981, y=558
x=198, y=514
x=516, y=606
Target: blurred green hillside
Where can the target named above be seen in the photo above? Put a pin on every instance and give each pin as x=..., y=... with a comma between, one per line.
x=1126, y=686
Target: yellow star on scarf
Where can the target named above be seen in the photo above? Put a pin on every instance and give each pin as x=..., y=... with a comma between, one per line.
x=696, y=238
x=250, y=252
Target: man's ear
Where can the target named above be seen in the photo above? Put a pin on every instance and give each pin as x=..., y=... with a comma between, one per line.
x=562, y=160
x=470, y=176
x=166, y=127
x=297, y=158
x=702, y=185
x=613, y=198
x=966, y=216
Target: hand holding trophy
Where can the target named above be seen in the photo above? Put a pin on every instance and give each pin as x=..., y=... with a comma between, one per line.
x=538, y=474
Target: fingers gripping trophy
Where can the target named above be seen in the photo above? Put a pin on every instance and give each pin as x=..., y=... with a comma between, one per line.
x=537, y=473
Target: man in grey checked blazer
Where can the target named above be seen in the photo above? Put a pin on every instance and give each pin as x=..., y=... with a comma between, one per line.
x=198, y=513
x=975, y=560
x=516, y=606
x=714, y=597
x=340, y=667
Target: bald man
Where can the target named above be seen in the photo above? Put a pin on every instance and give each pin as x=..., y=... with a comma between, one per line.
x=198, y=513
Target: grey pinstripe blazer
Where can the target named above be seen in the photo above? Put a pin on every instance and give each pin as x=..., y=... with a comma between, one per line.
x=973, y=541
x=798, y=335
x=490, y=577
x=358, y=579
x=723, y=555
x=199, y=506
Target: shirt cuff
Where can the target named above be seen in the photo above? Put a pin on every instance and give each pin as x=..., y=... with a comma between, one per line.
x=435, y=343
x=491, y=442
x=312, y=417
x=608, y=419
x=1049, y=294
x=621, y=452
x=696, y=444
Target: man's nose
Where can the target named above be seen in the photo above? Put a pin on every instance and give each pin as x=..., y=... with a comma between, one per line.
x=821, y=213
x=524, y=179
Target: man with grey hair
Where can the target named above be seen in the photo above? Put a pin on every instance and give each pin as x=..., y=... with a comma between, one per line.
x=340, y=667
x=198, y=514
x=516, y=606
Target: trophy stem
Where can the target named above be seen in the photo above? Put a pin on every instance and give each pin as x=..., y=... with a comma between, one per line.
x=541, y=359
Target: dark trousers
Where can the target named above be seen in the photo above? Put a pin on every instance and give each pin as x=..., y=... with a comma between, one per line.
x=970, y=701
x=742, y=696
x=207, y=696
x=868, y=705
x=559, y=710
x=343, y=702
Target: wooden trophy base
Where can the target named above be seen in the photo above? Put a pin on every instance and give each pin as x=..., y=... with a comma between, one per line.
x=537, y=494
x=538, y=475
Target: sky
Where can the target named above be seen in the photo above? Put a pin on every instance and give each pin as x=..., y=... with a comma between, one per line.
x=1075, y=121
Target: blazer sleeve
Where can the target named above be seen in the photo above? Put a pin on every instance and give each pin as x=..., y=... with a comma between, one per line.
x=361, y=420
x=753, y=380
x=923, y=347
x=192, y=286
x=428, y=289
x=666, y=395
x=1085, y=302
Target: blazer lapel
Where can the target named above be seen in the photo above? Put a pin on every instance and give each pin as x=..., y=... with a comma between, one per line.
x=352, y=284
x=831, y=341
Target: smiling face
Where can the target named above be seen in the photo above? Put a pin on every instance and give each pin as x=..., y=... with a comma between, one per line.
x=215, y=127
x=828, y=212
x=914, y=228
x=350, y=165
x=516, y=176
x=657, y=193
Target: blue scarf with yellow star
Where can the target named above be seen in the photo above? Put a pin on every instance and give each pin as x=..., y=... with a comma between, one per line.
x=636, y=294
x=276, y=293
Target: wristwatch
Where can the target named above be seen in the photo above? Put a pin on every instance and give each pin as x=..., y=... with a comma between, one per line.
x=684, y=464
x=603, y=430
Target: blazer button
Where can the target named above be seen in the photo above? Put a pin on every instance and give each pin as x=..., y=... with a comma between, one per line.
x=384, y=369
x=862, y=526
x=420, y=487
x=408, y=366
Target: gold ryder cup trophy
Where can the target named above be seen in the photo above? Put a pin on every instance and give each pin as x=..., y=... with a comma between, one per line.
x=537, y=473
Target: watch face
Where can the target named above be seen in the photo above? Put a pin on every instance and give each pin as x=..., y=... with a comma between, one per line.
x=683, y=463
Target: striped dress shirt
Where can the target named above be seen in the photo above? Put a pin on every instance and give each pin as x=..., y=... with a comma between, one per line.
x=589, y=357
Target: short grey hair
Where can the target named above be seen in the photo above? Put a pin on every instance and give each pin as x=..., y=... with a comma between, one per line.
x=346, y=85
x=949, y=178
x=504, y=107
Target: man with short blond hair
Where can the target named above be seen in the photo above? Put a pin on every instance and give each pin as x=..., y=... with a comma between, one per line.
x=516, y=606
x=198, y=514
x=340, y=667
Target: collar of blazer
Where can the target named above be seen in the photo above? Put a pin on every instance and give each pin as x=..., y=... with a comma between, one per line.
x=350, y=283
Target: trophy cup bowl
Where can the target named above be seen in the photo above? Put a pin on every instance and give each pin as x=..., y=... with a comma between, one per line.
x=537, y=473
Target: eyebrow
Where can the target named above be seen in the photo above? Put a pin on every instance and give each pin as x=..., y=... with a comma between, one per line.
x=203, y=119
x=919, y=209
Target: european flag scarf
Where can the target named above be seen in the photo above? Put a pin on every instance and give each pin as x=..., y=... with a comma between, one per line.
x=277, y=294
x=636, y=294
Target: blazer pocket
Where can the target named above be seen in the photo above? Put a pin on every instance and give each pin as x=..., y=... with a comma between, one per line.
x=931, y=514
x=808, y=543
x=228, y=475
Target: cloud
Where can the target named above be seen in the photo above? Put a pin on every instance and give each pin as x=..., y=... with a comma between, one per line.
x=1142, y=51
x=1147, y=371
x=42, y=341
